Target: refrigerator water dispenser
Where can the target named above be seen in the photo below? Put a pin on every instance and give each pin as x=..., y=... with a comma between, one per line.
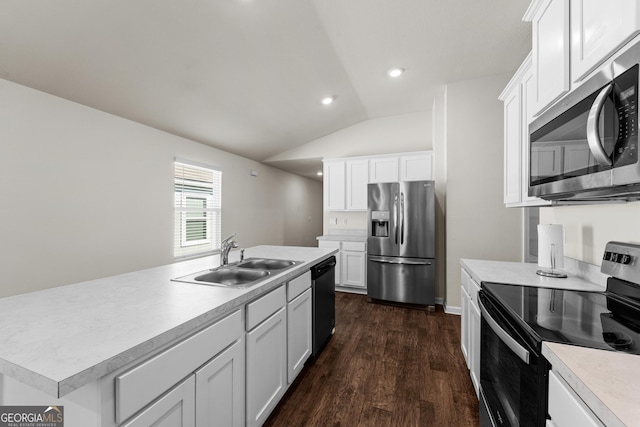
x=380, y=224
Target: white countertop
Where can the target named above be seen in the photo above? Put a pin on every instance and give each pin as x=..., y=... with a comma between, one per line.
x=346, y=235
x=519, y=273
x=59, y=339
x=606, y=381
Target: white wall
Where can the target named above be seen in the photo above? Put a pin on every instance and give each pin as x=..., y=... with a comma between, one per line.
x=477, y=225
x=589, y=228
x=87, y=194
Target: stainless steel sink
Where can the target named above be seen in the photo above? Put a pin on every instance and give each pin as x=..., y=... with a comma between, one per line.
x=266, y=264
x=232, y=276
x=243, y=274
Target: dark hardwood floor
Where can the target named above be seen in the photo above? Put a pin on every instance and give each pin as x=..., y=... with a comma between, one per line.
x=385, y=366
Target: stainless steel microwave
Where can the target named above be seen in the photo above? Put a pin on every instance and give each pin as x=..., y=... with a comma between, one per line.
x=585, y=148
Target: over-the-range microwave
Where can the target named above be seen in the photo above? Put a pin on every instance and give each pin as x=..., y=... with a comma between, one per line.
x=585, y=147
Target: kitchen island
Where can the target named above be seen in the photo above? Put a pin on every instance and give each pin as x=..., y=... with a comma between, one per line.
x=69, y=342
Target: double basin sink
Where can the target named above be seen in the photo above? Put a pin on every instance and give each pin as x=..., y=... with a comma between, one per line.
x=241, y=274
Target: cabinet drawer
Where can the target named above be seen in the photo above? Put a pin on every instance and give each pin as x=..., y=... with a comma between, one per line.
x=139, y=386
x=354, y=246
x=298, y=285
x=262, y=308
x=566, y=408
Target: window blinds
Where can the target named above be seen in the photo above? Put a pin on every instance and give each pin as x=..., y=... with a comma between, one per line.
x=198, y=209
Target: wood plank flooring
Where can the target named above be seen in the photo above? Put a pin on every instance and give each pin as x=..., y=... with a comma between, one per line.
x=385, y=366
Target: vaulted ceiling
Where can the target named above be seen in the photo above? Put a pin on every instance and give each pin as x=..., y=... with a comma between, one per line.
x=247, y=76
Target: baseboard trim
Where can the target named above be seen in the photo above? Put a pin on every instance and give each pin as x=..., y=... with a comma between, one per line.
x=453, y=310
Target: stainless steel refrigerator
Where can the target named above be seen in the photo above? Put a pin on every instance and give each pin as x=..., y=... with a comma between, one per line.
x=401, y=242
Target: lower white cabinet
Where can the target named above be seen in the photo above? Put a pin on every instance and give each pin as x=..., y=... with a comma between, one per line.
x=565, y=407
x=464, y=324
x=175, y=409
x=266, y=367
x=299, y=333
x=351, y=264
x=220, y=389
x=470, y=327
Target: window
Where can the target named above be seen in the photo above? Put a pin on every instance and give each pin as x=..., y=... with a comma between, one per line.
x=198, y=209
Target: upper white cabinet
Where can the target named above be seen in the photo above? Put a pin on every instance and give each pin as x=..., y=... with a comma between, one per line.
x=383, y=169
x=551, y=50
x=517, y=99
x=334, y=178
x=513, y=145
x=598, y=28
x=416, y=167
x=346, y=179
x=356, y=184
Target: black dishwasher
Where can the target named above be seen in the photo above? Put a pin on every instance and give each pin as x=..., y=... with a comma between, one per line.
x=324, y=303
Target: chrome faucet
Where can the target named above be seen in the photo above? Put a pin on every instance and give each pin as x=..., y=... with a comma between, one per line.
x=225, y=246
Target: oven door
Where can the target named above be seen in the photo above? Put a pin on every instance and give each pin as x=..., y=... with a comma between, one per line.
x=512, y=375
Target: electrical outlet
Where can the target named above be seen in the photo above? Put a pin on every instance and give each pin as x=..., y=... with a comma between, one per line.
x=333, y=221
x=344, y=221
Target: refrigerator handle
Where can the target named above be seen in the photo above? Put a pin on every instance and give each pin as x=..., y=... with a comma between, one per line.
x=402, y=220
x=395, y=217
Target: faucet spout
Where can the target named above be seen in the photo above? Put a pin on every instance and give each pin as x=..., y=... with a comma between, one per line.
x=225, y=246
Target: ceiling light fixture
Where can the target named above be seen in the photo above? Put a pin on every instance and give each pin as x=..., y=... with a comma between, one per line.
x=395, y=72
x=327, y=100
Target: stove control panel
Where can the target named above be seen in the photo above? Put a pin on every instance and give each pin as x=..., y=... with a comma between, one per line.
x=621, y=260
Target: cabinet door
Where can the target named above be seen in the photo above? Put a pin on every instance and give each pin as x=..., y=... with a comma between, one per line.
x=474, y=350
x=418, y=167
x=175, y=409
x=598, y=29
x=464, y=324
x=220, y=389
x=266, y=367
x=383, y=169
x=334, y=185
x=353, y=269
x=551, y=52
x=333, y=245
x=357, y=180
x=513, y=146
x=566, y=408
x=298, y=333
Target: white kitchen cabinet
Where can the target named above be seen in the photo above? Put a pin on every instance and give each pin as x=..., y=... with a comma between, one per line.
x=517, y=101
x=299, y=333
x=598, y=29
x=551, y=50
x=384, y=169
x=357, y=179
x=334, y=184
x=565, y=407
x=513, y=145
x=474, y=340
x=465, y=304
x=351, y=264
x=266, y=367
x=220, y=389
x=174, y=409
x=470, y=327
x=354, y=261
x=416, y=167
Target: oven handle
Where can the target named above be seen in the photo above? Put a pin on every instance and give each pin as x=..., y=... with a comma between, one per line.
x=520, y=351
x=593, y=133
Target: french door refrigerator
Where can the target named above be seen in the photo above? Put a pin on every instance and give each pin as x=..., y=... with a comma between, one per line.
x=401, y=242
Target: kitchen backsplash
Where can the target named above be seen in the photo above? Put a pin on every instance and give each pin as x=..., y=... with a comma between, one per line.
x=344, y=221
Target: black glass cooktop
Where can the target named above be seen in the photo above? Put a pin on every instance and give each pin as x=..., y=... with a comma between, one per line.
x=590, y=319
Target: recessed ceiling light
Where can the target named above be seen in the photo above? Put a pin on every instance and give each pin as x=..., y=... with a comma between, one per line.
x=395, y=72
x=319, y=173
x=327, y=100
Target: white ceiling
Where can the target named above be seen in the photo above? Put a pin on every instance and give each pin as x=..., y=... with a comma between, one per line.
x=246, y=76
